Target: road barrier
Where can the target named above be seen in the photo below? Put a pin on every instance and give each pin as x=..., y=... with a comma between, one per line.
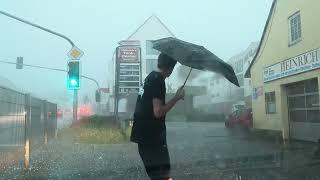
x=26, y=123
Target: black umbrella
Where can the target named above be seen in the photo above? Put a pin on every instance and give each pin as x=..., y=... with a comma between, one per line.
x=195, y=56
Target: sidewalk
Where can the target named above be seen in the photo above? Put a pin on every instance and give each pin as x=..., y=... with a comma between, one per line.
x=299, y=160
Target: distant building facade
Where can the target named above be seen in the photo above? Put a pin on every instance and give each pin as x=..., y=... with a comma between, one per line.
x=222, y=95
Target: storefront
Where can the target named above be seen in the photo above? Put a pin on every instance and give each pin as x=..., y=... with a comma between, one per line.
x=285, y=72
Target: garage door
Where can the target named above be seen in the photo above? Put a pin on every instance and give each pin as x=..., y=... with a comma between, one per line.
x=304, y=112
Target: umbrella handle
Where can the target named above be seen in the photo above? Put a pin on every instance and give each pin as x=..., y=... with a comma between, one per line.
x=187, y=78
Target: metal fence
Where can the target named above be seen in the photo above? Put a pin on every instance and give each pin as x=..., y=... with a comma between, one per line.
x=26, y=123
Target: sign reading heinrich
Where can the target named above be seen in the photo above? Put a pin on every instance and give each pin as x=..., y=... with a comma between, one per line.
x=298, y=64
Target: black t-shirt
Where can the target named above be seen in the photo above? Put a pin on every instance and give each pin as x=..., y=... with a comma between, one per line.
x=147, y=129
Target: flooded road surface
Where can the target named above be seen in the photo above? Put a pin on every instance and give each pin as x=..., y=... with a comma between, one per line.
x=197, y=151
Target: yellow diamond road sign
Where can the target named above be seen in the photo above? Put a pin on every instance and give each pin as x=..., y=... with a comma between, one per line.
x=75, y=53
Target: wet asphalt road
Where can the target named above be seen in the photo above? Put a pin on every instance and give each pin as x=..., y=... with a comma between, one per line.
x=197, y=151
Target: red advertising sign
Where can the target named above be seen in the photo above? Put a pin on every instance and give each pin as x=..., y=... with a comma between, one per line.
x=128, y=54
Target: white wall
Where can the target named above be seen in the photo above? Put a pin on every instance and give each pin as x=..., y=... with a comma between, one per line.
x=151, y=30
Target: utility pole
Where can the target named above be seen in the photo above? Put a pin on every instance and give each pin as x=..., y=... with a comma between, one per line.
x=75, y=105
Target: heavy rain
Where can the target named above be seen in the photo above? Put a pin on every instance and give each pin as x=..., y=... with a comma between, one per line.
x=208, y=89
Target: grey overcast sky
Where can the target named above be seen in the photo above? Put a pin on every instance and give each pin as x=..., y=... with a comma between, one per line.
x=226, y=27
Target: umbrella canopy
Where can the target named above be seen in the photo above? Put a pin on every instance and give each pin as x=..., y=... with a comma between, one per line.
x=195, y=56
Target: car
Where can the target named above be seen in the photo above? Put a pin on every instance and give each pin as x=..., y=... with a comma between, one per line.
x=240, y=117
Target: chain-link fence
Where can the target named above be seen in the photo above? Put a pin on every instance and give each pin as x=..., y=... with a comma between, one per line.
x=26, y=123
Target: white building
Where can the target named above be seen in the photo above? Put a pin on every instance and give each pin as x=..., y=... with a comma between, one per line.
x=222, y=94
x=152, y=29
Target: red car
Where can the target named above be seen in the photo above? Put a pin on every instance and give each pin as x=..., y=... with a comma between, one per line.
x=84, y=111
x=242, y=117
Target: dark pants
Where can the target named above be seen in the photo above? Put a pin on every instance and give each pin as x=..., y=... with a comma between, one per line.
x=156, y=161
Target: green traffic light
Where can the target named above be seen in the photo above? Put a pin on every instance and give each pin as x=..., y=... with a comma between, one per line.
x=73, y=82
x=73, y=75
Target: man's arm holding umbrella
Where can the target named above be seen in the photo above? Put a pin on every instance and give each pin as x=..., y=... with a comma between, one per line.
x=160, y=110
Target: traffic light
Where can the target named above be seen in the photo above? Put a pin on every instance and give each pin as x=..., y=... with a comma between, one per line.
x=73, y=75
x=19, y=63
x=98, y=96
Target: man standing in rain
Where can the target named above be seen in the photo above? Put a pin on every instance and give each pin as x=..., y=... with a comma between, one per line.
x=149, y=129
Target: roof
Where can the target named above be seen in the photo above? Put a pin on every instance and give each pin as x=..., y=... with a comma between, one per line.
x=145, y=22
x=248, y=74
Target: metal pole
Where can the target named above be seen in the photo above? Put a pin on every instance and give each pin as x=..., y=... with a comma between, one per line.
x=95, y=81
x=75, y=106
x=46, y=118
x=116, y=92
x=115, y=79
x=37, y=26
x=27, y=131
x=187, y=78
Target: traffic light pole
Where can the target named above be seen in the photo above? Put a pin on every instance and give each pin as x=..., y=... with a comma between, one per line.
x=37, y=26
x=75, y=105
x=51, y=32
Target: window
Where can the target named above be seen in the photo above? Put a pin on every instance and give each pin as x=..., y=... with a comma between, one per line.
x=270, y=100
x=294, y=28
x=149, y=48
x=152, y=65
